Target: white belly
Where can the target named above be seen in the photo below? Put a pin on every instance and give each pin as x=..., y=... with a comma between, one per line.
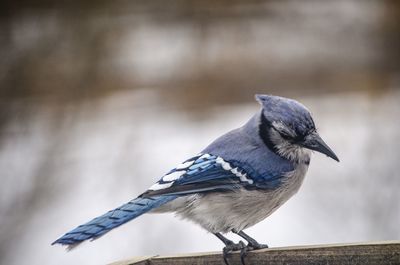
x=240, y=209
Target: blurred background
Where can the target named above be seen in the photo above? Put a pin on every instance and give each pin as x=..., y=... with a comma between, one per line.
x=99, y=99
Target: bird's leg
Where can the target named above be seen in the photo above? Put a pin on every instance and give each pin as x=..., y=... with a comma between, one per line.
x=230, y=246
x=243, y=254
x=253, y=244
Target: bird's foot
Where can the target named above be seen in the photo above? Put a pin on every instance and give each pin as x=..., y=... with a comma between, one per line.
x=250, y=247
x=230, y=247
x=256, y=245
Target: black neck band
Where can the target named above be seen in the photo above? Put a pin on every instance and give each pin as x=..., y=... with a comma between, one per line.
x=264, y=132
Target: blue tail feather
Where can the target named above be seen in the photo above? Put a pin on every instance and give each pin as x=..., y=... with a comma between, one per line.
x=112, y=219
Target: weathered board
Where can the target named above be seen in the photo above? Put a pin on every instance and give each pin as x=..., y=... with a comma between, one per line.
x=371, y=253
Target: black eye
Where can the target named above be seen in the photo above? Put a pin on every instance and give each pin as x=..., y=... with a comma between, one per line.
x=285, y=135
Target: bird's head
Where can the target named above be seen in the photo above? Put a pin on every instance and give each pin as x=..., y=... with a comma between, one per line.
x=288, y=128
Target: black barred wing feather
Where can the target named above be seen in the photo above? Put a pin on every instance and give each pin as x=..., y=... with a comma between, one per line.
x=112, y=219
x=202, y=173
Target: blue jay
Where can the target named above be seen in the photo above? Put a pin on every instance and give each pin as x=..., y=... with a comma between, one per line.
x=237, y=181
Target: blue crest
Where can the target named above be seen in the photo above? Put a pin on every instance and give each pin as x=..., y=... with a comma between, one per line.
x=288, y=111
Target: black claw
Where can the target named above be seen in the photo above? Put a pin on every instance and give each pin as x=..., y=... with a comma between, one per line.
x=251, y=246
x=256, y=245
x=230, y=247
x=225, y=252
x=225, y=257
x=243, y=254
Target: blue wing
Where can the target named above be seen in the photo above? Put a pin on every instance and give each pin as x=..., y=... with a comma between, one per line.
x=200, y=174
x=207, y=173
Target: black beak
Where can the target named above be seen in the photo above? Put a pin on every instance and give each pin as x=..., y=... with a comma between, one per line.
x=314, y=142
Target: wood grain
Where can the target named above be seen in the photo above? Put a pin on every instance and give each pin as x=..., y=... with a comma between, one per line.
x=370, y=253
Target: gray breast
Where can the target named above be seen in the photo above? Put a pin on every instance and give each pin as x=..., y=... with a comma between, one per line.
x=240, y=209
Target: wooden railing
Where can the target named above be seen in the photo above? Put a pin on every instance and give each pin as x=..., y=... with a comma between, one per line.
x=370, y=253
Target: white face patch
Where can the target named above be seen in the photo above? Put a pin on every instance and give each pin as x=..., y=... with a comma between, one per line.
x=281, y=127
x=288, y=150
